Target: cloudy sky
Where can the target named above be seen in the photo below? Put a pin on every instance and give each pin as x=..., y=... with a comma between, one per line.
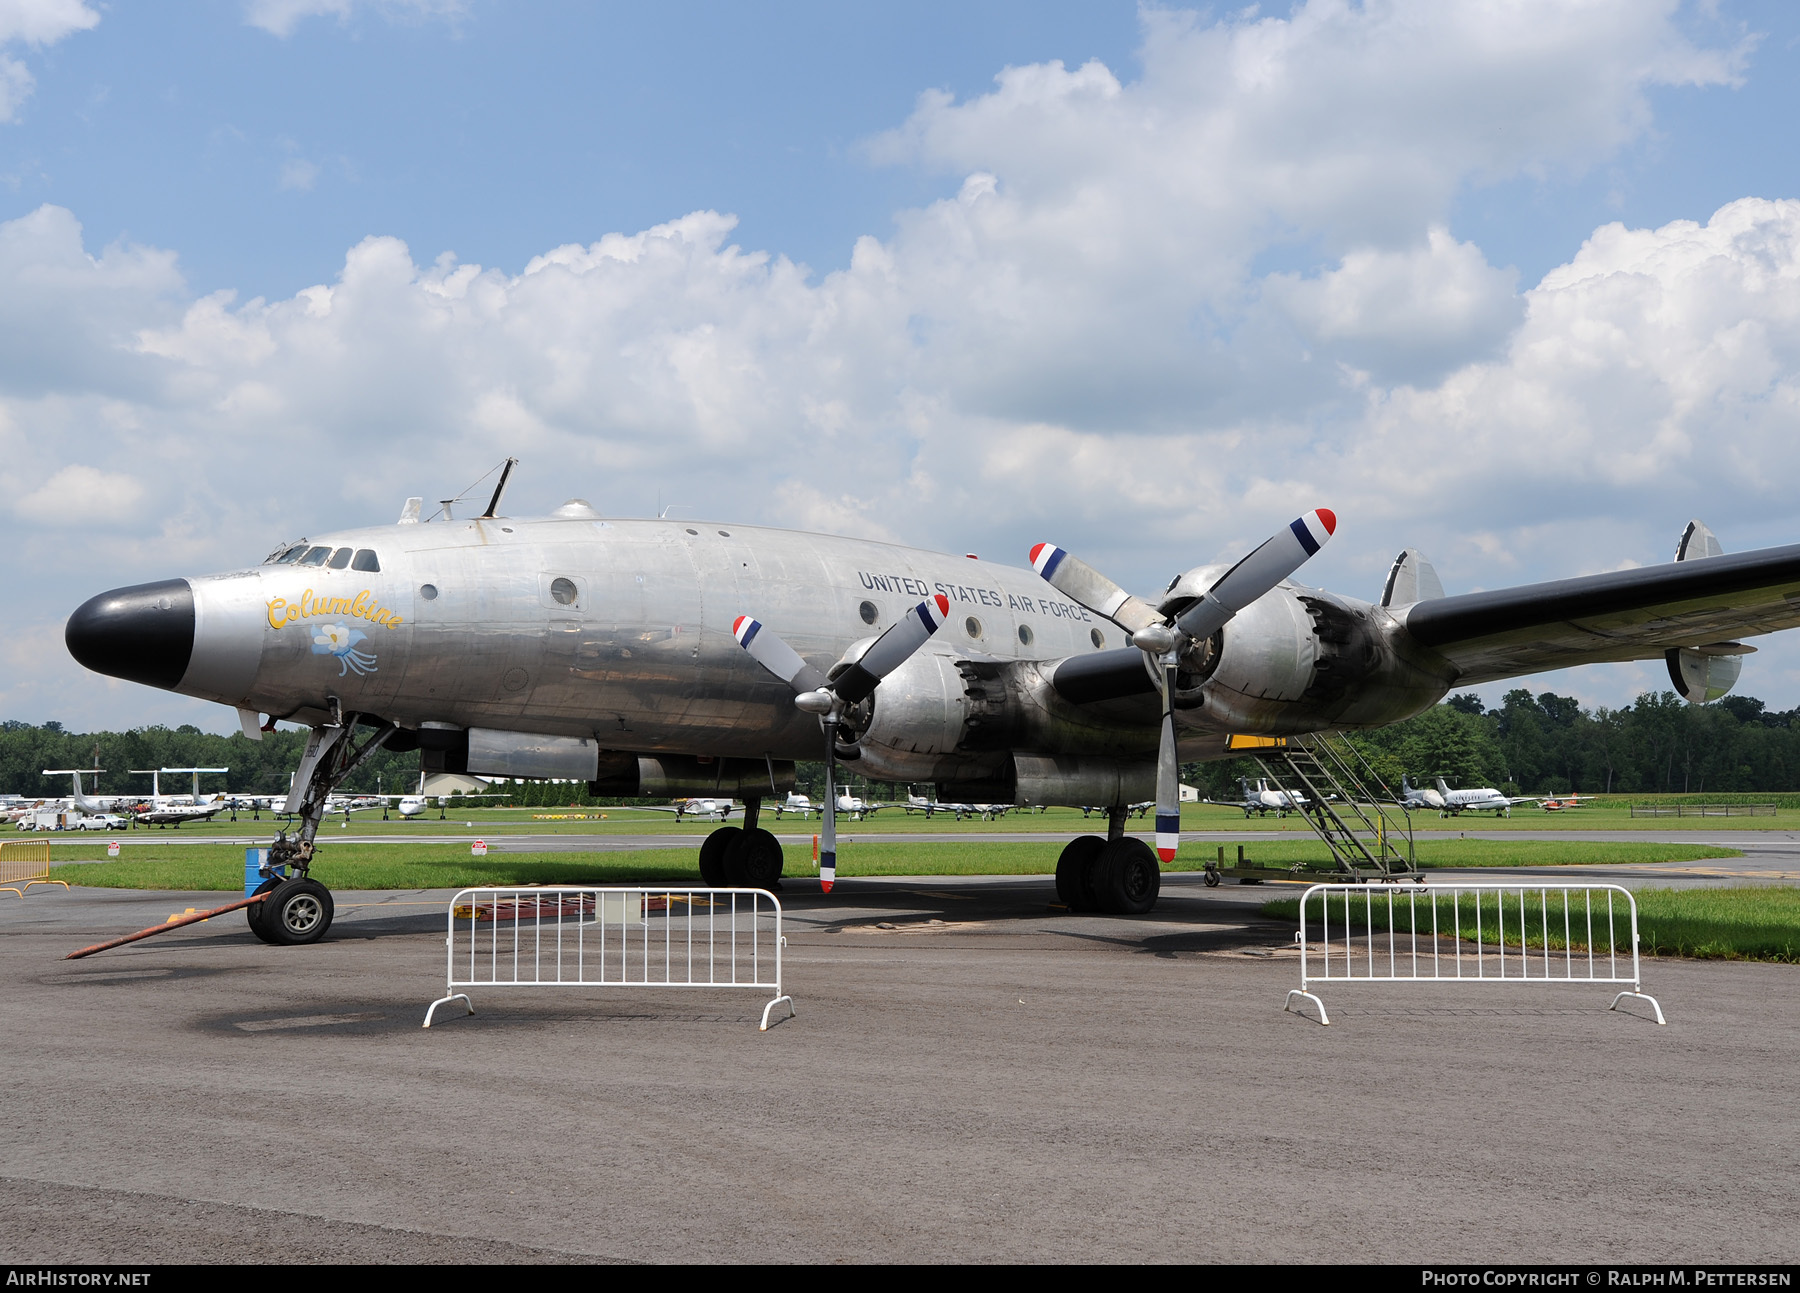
x=1517, y=284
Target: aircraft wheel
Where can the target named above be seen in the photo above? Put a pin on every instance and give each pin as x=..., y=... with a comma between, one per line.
x=754, y=861
x=1075, y=870
x=1126, y=878
x=713, y=849
x=255, y=915
x=299, y=912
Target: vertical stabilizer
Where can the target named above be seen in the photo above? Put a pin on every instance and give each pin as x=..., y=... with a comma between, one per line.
x=1697, y=541
x=1703, y=674
x=1411, y=579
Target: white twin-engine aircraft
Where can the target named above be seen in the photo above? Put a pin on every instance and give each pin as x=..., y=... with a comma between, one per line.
x=673, y=658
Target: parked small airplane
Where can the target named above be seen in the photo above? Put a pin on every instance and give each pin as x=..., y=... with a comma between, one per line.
x=173, y=810
x=1556, y=803
x=1483, y=799
x=794, y=803
x=1419, y=798
x=1263, y=799
x=95, y=804
x=707, y=810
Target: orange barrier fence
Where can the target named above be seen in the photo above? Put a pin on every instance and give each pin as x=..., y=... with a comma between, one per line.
x=25, y=863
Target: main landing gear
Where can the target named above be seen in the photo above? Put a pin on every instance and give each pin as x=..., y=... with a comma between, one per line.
x=1117, y=875
x=298, y=909
x=741, y=857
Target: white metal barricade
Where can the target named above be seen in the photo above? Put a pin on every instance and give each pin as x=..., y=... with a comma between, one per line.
x=591, y=936
x=1458, y=933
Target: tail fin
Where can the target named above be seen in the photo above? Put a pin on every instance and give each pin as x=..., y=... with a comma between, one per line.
x=1442, y=788
x=1411, y=579
x=1697, y=541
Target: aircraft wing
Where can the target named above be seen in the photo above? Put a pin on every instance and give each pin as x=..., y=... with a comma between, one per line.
x=1622, y=615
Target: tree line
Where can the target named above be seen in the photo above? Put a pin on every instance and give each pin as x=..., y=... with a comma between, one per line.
x=256, y=767
x=1530, y=745
x=1550, y=745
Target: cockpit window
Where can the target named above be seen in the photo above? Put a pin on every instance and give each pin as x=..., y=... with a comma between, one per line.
x=365, y=560
x=314, y=557
x=339, y=559
x=285, y=555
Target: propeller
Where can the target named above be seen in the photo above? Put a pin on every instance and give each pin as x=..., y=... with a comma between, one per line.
x=829, y=698
x=1164, y=639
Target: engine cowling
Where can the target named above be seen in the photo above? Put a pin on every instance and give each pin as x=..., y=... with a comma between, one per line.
x=1300, y=659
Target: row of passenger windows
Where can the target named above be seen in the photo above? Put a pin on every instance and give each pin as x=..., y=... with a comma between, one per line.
x=972, y=627
x=301, y=555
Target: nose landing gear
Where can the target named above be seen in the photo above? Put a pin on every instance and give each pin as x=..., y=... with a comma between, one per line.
x=298, y=909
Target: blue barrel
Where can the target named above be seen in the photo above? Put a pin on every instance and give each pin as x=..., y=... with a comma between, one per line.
x=253, y=865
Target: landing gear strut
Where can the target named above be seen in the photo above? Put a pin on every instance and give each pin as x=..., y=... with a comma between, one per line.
x=742, y=857
x=298, y=909
x=1117, y=875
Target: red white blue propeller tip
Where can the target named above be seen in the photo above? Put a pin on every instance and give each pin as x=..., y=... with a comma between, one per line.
x=1314, y=529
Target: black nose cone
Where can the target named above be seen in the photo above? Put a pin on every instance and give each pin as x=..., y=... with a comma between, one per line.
x=144, y=633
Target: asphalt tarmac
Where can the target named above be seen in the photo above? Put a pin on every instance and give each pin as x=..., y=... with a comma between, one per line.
x=1011, y=1083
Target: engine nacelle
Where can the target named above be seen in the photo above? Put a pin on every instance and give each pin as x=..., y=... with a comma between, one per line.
x=945, y=718
x=1300, y=659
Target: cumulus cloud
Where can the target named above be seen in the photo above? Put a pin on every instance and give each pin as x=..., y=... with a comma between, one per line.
x=43, y=22
x=80, y=495
x=1075, y=343
x=281, y=17
x=37, y=23
x=1407, y=316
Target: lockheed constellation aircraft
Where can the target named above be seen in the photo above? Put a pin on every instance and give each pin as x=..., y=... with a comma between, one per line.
x=670, y=658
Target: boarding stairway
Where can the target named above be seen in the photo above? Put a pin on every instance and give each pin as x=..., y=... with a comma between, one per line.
x=1346, y=803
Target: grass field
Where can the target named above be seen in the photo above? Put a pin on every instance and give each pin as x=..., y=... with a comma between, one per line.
x=426, y=865
x=1741, y=923
x=1603, y=815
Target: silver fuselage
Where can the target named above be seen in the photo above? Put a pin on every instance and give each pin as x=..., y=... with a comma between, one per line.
x=620, y=632
x=642, y=659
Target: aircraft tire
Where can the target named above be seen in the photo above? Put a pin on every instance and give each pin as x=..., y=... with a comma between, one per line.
x=1126, y=878
x=1075, y=871
x=713, y=872
x=255, y=914
x=299, y=912
x=754, y=861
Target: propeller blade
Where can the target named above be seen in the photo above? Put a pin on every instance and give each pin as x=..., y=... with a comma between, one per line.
x=892, y=649
x=1168, y=775
x=780, y=659
x=1080, y=582
x=1278, y=557
x=828, y=827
